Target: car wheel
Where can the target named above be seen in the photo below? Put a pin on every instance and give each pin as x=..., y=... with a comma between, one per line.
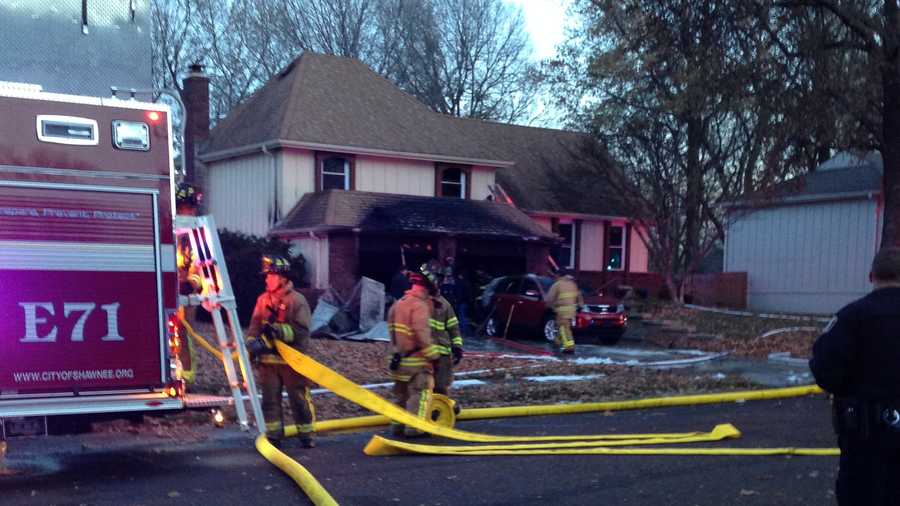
x=550, y=330
x=490, y=326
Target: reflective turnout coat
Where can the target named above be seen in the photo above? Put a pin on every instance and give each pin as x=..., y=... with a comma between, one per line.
x=564, y=297
x=444, y=326
x=409, y=326
x=288, y=312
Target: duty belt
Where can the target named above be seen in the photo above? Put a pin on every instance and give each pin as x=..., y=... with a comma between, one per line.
x=862, y=417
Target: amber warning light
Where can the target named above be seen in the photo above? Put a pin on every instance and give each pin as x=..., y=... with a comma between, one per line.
x=154, y=117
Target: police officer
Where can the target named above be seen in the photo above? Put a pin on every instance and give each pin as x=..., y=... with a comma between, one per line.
x=281, y=314
x=857, y=360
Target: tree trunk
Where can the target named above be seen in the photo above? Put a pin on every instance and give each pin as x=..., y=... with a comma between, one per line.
x=890, y=146
x=676, y=289
x=694, y=189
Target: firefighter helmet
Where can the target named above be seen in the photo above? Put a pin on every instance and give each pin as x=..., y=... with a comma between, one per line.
x=417, y=279
x=186, y=193
x=429, y=274
x=275, y=264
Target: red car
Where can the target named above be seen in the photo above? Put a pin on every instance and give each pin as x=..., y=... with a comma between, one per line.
x=519, y=310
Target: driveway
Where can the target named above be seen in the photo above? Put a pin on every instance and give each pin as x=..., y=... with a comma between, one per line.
x=225, y=470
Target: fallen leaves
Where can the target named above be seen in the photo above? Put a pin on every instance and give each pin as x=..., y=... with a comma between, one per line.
x=680, y=327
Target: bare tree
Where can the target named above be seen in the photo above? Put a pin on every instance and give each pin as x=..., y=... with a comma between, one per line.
x=239, y=48
x=461, y=57
x=338, y=27
x=861, y=42
x=678, y=93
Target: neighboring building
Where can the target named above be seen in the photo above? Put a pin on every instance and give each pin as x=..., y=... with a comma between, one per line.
x=807, y=244
x=335, y=158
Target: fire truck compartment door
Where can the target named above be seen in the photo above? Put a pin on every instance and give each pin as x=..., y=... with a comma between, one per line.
x=80, y=289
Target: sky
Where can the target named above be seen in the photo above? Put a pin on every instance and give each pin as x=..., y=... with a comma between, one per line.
x=545, y=22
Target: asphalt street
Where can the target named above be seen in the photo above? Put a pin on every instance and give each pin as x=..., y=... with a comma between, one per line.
x=225, y=469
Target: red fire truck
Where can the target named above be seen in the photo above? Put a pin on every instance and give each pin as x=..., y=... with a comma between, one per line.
x=87, y=262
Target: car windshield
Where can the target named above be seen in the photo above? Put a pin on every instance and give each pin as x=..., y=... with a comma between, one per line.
x=546, y=283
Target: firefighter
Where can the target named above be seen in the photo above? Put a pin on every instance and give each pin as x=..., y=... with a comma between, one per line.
x=187, y=203
x=855, y=359
x=565, y=298
x=281, y=314
x=445, y=333
x=411, y=365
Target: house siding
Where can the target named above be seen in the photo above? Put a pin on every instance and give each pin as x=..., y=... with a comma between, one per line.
x=591, y=255
x=639, y=257
x=297, y=171
x=811, y=258
x=482, y=178
x=240, y=193
x=315, y=253
x=388, y=175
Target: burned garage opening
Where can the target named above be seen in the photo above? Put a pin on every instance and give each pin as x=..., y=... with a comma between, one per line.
x=348, y=234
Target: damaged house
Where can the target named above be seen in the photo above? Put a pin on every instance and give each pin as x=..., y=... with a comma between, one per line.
x=362, y=177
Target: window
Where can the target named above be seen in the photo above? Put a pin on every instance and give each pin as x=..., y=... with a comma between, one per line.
x=615, y=253
x=452, y=181
x=508, y=285
x=564, y=253
x=529, y=285
x=335, y=174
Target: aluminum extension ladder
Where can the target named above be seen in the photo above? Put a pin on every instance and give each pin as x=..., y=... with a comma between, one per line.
x=216, y=296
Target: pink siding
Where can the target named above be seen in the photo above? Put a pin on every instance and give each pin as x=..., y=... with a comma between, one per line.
x=639, y=257
x=591, y=246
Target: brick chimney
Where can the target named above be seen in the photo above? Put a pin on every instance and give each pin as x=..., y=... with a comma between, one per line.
x=196, y=127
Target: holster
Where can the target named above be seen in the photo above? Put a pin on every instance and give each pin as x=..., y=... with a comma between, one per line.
x=851, y=417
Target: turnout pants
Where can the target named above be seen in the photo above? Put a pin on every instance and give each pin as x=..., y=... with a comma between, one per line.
x=564, y=337
x=272, y=377
x=414, y=396
x=443, y=374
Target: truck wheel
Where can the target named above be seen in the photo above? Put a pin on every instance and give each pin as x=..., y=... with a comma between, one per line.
x=550, y=329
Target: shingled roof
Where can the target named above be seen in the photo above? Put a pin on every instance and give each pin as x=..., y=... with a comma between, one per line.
x=340, y=102
x=390, y=213
x=844, y=174
x=331, y=100
x=554, y=170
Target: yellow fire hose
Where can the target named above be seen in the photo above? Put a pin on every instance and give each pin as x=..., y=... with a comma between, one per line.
x=565, y=409
x=345, y=388
x=579, y=445
x=201, y=341
x=310, y=485
x=382, y=446
x=379, y=446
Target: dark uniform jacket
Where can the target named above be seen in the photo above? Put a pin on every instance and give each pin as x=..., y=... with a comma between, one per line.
x=858, y=356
